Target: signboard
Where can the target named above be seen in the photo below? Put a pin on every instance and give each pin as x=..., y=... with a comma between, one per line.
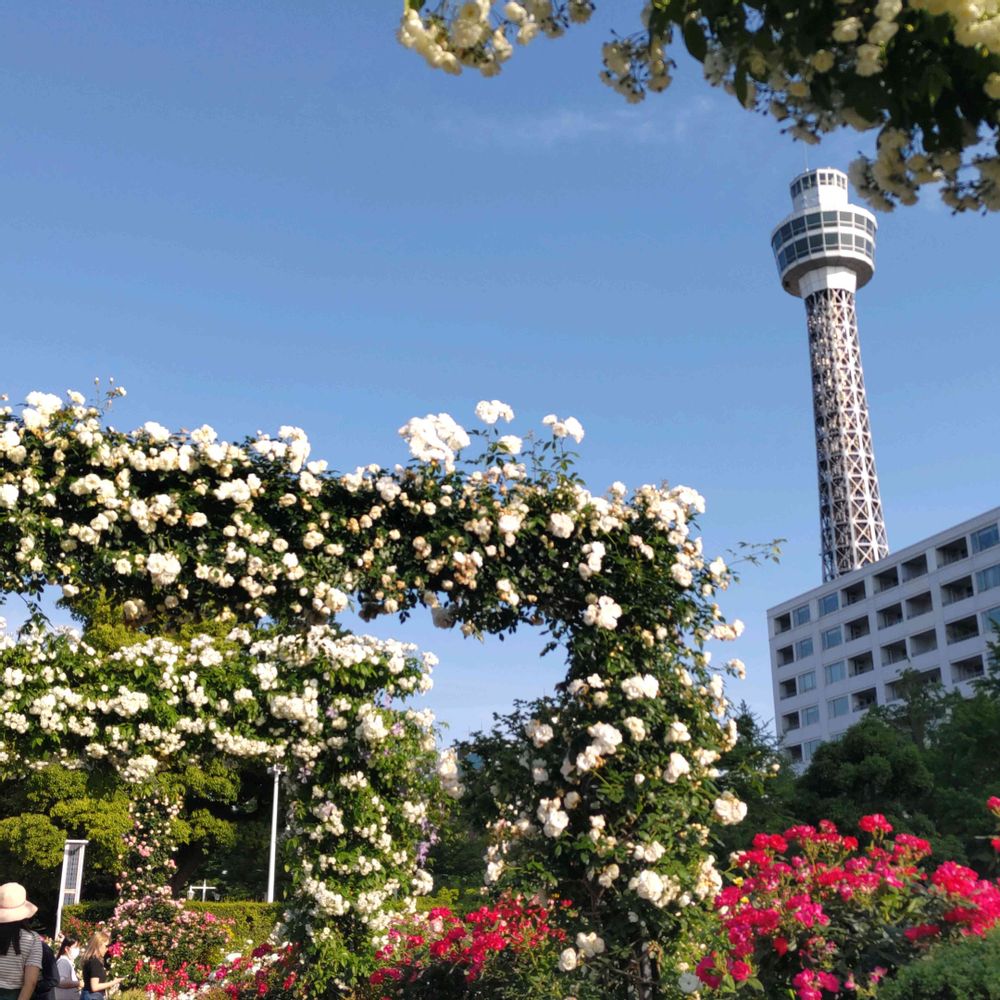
x=71, y=880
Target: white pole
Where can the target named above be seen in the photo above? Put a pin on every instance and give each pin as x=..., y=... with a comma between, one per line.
x=276, y=771
x=62, y=888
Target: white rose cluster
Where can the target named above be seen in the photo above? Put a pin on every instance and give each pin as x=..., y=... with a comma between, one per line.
x=265, y=538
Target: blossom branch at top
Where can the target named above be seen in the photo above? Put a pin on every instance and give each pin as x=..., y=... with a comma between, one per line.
x=926, y=73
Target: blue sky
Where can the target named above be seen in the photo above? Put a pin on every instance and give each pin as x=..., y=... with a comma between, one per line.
x=254, y=214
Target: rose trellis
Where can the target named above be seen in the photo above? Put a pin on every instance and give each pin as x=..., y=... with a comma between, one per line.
x=232, y=562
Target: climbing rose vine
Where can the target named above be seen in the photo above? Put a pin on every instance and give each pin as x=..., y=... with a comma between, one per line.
x=925, y=73
x=231, y=562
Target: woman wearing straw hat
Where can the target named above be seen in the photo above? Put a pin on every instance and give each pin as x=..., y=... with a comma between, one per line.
x=20, y=947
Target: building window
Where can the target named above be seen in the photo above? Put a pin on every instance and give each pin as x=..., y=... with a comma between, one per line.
x=832, y=637
x=864, y=699
x=803, y=648
x=886, y=580
x=782, y=623
x=967, y=670
x=794, y=753
x=912, y=568
x=987, y=579
x=957, y=590
x=828, y=603
x=787, y=689
x=785, y=656
x=858, y=628
x=837, y=707
x=985, y=538
x=923, y=643
x=919, y=605
x=991, y=622
x=800, y=616
x=810, y=715
x=952, y=551
x=807, y=682
x=835, y=672
x=964, y=628
x=854, y=593
x=895, y=652
x=860, y=664
x=890, y=616
x=789, y=722
x=810, y=747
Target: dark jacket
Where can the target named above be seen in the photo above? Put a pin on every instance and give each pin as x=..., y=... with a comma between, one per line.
x=48, y=978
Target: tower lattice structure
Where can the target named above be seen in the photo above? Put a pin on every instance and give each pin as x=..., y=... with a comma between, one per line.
x=825, y=251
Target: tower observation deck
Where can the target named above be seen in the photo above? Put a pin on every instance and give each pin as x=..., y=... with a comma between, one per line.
x=825, y=251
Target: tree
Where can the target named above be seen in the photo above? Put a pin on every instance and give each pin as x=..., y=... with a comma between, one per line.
x=921, y=706
x=872, y=768
x=926, y=73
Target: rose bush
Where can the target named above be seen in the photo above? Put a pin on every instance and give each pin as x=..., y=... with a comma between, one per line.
x=493, y=951
x=266, y=547
x=813, y=912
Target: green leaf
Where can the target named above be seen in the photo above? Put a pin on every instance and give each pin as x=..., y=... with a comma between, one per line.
x=740, y=85
x=694, y=39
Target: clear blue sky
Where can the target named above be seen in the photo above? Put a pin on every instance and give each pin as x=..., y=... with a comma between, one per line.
x=253, y=214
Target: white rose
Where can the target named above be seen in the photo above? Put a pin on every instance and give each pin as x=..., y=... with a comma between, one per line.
x=568, y=959
x=728, y=809
x=561, y=525
x=157, y=432
x=677, y=767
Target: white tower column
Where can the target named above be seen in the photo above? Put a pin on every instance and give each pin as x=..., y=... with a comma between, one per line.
x=826, y=250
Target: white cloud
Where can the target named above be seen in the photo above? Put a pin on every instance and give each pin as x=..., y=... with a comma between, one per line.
x=652, y=123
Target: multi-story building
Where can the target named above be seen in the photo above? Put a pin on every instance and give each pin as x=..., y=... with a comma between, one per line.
x=839, y=649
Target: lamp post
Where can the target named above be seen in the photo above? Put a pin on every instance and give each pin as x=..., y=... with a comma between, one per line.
x=277, y=771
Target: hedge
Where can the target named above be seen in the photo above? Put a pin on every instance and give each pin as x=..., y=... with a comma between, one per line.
x=966, y=970
x=252, y=922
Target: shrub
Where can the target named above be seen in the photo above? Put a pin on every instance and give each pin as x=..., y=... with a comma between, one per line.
x=964, y=970
x=507, y=948
x=251, y=921
x=812, y=914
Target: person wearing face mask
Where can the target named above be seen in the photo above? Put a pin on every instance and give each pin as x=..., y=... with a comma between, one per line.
x=70, y=983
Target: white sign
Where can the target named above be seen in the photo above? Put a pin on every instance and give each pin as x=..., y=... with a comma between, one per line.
x=71, y=880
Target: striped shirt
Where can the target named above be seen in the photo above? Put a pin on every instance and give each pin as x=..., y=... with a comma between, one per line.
x=12, y=965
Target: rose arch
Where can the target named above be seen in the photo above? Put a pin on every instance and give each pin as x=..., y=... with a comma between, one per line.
x=231, y=563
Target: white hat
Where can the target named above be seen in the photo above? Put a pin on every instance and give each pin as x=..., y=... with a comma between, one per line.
x=14, y=903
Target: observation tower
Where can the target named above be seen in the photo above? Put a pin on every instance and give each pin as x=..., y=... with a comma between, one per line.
x=825, y=251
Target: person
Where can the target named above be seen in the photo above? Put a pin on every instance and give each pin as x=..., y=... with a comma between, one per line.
x=95, y=976
x=20, y=947
x=45, y=988
x=69, y=981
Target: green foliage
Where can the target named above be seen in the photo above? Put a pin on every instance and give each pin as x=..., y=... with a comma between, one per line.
x=873, y=767
x=965, y=970
x=458, y=900
x=757, y=772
